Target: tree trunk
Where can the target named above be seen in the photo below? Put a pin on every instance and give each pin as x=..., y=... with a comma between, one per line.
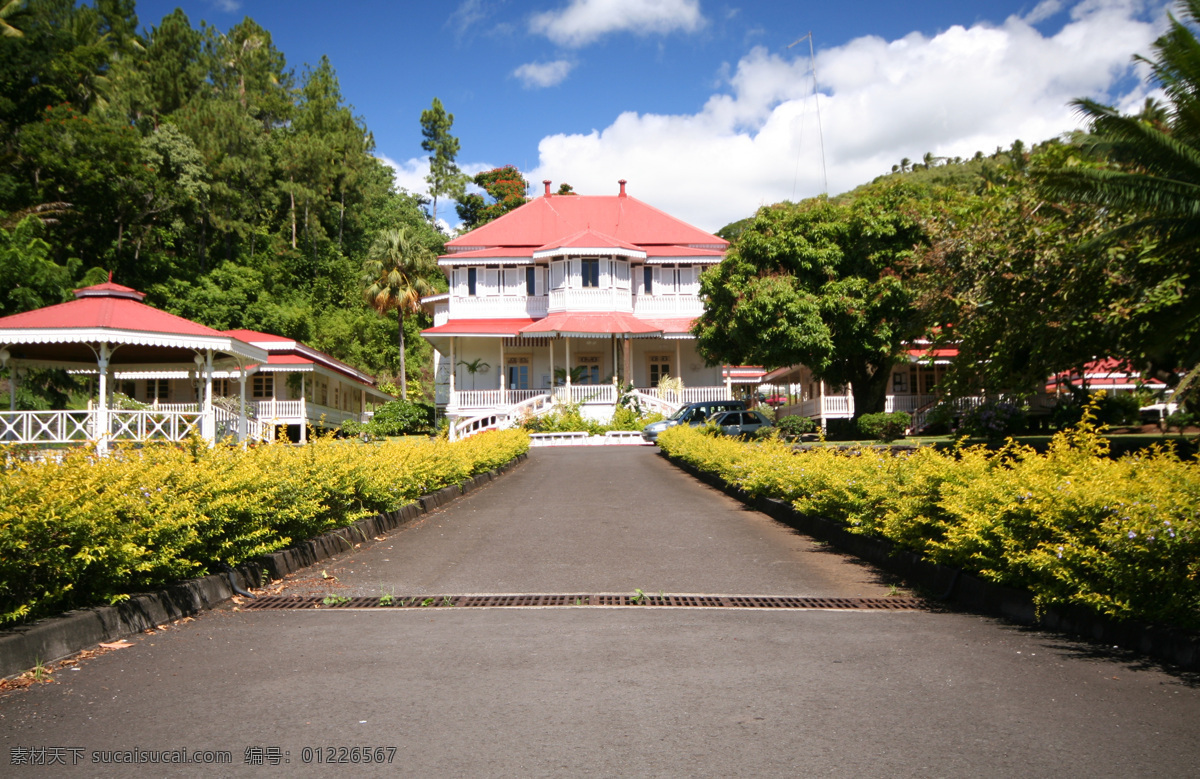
x=341, y=219
x=870, y=390
x=403, y=373
x=292, y=198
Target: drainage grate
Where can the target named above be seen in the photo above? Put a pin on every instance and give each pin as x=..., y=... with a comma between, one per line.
x=277, y=602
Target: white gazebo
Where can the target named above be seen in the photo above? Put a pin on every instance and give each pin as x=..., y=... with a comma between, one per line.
x=108, y=329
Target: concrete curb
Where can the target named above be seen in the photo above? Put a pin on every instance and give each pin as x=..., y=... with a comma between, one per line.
x=54, y=638
x=969, y=592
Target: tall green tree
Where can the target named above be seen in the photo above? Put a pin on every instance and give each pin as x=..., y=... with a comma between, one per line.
x=819, y=283
x=395, y=278
x=444, y=176
x=1149, y=171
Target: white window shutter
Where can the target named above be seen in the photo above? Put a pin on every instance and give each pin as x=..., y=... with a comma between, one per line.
x=490, y=282
x=558, y=274
x=460, y=281
x=539, y=281
x=514, y=280
x=576, y=274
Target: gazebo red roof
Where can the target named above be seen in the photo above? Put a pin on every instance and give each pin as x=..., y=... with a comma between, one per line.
x=106, y=306
x=66, y=334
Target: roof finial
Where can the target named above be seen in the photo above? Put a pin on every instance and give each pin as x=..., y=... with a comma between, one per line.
x=547, y=183
x=622, y=183
x=110, y=277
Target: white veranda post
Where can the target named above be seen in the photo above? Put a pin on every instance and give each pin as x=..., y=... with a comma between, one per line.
x=242, y=406
x=102, y=427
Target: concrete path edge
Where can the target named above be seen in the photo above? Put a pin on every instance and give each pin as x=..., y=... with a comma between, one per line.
x=24, y=646
x=967, y=591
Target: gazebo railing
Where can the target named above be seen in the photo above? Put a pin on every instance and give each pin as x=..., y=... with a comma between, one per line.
x=127, y=425
x=70, y=427
x=46, y=427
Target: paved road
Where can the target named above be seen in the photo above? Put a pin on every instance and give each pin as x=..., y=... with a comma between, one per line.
x=606, y=692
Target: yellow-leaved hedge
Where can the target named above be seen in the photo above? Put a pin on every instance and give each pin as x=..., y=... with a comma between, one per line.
x=94, y=529
x=1073, y=526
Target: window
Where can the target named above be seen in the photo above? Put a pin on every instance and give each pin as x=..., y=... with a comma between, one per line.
x=531, y=281
x=590, y=365
x=157, y=389
x=648, y=279
x=900, y=383
x=263, y=386
x=660, y=368
x=591, y=272
x=517, y=371
x=472, y=279
x=129, y=389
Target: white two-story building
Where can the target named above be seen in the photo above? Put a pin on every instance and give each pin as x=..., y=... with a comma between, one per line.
x=566, y=299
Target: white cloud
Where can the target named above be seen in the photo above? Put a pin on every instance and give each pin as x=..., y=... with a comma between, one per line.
x=584, y=21
x=538, y=75
x=410, y=175
x=228, y=6
x=962, y=90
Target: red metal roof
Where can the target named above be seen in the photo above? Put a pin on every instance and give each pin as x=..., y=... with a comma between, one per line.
x=251, y=336
x=588, y=239
x=480, y=327
x=608, y=323
x=551, y=218
x=106, y=306
x=670, y=324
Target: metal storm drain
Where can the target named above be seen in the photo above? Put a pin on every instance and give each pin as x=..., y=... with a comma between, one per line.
x=283, y=602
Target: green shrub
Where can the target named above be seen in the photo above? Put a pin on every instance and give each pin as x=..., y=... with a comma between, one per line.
x=995, y=420
x=90, y=530
x=401, y=417
x=797, y=426
x=1113, y=409
x=1120, y=536
x=884, y=427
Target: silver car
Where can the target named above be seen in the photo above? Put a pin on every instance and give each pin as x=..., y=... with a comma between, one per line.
x=741, y=423
x=692, y=414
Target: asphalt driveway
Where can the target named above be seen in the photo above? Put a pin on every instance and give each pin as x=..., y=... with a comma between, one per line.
x=606, y=692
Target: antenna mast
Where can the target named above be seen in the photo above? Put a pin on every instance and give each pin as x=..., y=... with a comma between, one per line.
x=812, y=59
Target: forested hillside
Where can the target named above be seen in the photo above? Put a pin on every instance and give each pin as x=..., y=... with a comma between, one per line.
x=199, y=166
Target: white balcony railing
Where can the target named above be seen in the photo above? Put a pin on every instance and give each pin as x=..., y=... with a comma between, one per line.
x=660, y=305
x=498, y=306
x=598, y=299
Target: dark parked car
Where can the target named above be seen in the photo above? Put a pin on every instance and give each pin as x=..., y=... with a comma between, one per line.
x=741, y=423
x=692, y=414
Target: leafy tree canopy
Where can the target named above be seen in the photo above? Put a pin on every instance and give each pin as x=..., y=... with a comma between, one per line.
x=507, y=189
x=820, y=283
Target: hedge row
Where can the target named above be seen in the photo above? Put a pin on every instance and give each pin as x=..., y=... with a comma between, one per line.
x=1073, y=526
x=91, y=530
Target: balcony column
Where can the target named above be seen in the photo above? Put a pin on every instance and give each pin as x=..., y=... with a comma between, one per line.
x=628, y=360
x=567, y=367
x=242, y=407
x=503, y=371
x=550, y=340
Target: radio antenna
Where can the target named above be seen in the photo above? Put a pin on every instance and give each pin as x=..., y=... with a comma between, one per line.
x=812, y=59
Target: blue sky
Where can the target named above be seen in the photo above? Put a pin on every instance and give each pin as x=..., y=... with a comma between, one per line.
x=700, y=104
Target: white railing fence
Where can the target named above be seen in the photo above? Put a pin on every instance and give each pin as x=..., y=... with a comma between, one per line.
x=653, y=402
x=586, y=393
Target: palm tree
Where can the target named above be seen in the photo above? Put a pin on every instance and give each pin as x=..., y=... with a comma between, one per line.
x=1150, y=169
x=9, y=13
x=394, y=279
x=474, y=366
